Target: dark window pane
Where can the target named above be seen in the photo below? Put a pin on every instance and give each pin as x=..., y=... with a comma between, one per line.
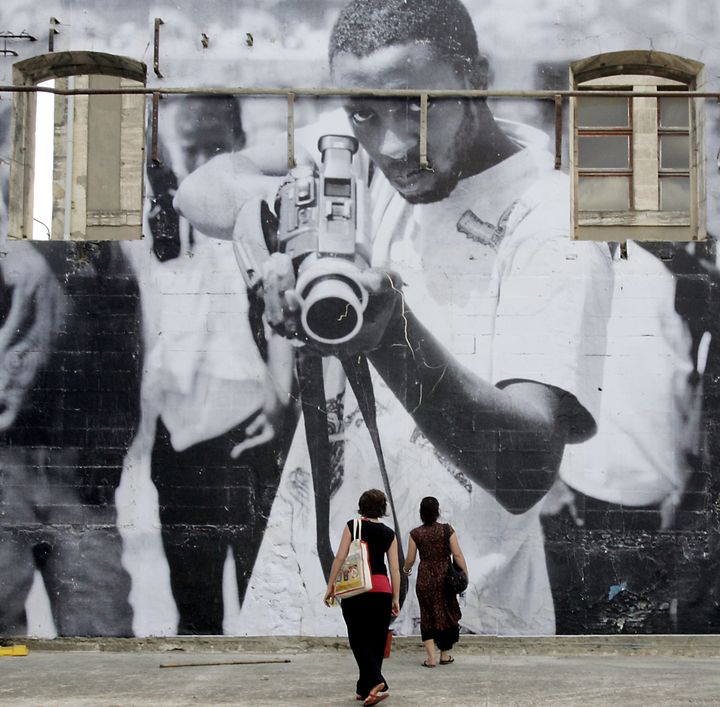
x=604, y=152
x=674, y=152
x=602, y=112
x=674, y=113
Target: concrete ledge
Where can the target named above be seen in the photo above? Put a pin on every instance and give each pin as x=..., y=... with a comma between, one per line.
x=672, y=645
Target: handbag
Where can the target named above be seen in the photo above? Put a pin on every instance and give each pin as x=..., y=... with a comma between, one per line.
x=456, y=581
x=354, y=576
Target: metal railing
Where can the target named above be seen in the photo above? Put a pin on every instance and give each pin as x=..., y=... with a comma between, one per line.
x=423, y=95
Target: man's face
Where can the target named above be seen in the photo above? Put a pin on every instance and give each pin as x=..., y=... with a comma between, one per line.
x=202, y=132
x=389, y=129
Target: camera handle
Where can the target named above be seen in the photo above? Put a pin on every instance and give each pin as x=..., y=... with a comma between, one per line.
x=248, y=222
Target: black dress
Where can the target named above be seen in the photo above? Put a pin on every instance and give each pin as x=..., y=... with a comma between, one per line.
x=439, y=610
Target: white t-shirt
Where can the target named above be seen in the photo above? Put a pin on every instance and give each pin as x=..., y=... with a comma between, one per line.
x=204, y=374
x=649, y=417
x=535, y=309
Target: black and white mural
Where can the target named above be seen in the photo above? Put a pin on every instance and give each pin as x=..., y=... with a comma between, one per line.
x=184, y=418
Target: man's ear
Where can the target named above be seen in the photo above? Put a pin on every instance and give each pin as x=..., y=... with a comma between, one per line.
x=479, y=75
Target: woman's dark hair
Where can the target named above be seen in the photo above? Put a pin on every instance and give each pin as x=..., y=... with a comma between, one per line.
x=373, y=504
x=429, y=510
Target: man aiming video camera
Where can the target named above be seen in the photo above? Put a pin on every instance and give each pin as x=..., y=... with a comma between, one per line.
x=484, y=323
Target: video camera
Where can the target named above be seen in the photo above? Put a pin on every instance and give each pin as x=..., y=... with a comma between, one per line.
x=317, y=228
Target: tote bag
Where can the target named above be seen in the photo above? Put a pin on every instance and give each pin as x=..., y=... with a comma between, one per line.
x=354, y=576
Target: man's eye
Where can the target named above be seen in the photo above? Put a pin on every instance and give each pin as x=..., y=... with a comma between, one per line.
x=414, y=106
x=362, y=115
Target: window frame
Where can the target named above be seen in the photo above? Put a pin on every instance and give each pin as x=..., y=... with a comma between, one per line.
x=644, y=72
x=33, y=71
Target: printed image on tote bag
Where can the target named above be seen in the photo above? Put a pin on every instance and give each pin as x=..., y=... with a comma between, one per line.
x=354, y=575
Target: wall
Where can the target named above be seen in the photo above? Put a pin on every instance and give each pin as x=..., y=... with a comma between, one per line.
x=114, y=524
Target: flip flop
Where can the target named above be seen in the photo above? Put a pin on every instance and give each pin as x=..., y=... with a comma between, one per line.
x=425, y=664
x=448, y=661
x=373, y=699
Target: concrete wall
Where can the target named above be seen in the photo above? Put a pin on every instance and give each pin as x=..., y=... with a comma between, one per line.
x=130, y=371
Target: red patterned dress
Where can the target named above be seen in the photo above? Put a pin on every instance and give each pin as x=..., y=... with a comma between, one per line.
x=439, y=610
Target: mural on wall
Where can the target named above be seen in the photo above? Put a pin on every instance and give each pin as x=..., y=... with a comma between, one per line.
x=164, y=468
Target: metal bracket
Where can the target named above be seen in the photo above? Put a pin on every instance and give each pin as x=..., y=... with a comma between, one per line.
x=13, y=35
x=156, y=48
x=54, y=22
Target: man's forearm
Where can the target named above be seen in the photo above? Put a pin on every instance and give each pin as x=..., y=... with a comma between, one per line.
x=213, y=195
x=509, y=441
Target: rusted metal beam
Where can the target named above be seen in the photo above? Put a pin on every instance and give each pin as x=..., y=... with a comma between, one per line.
x=360, y=92
x=424, y=164
x=154, y=130
x=558, y=130
x=291, y=130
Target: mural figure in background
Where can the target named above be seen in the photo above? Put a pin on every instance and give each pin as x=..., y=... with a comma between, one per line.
x=213, y=386
x=485, y=325
x=699, y=606
x=70, y=371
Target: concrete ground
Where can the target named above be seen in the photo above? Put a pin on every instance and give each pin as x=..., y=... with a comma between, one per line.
x=326, y=676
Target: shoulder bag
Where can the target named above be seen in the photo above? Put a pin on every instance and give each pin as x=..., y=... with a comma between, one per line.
x=354, y=576
x=456, y=581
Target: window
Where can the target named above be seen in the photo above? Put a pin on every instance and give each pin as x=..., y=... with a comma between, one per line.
x=637, y=161
x=78, y=160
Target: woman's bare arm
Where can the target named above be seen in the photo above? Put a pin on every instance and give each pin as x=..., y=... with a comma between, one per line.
x=394, y=562
x=457, y=553
x=410, y=557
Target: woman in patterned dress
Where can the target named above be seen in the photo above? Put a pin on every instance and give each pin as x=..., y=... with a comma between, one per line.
x=439, y=609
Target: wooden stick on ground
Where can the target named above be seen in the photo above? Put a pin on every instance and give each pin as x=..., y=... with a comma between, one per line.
x=224, y=662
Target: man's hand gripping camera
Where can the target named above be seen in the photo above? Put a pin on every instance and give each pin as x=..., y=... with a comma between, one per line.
x=313, y=283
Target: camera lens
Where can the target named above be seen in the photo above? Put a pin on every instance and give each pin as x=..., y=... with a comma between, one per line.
x=332, y=299
x=333, y=318
x=332, y=310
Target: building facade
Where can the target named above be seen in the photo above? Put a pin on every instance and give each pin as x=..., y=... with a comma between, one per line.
x=554, y=244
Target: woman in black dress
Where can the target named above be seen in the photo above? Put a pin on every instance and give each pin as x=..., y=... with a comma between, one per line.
x=367, y=615
x=439, y=609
